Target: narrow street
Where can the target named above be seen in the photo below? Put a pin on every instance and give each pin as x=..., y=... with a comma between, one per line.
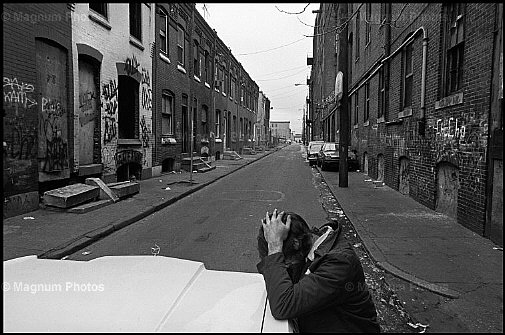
x=218, y=224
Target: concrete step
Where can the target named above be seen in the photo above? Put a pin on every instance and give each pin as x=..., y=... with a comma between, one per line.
x=85, y=208
x=206, y=169
x=233, y=155
x=124, y=189
x=71, y=195
x=105, y=192
x=248, y=151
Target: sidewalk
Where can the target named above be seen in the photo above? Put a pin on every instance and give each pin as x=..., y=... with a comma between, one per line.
x=426, y=248
x=55, y=234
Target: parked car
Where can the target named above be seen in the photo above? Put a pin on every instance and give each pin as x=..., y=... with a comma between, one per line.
x=329, y=156
x=132, y=294
x=313, y=151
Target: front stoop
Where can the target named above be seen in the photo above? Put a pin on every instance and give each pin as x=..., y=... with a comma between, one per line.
x=71, y=195
x=233, y=155
x=124, y=189
x=199, y=164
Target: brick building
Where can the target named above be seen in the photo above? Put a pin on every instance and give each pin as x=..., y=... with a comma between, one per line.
x=38, y=104
x=280, y=129
x=112, y=45
x=425, y=102
x=115, y=91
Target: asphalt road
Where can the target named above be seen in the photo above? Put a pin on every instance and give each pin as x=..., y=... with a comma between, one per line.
x=218, y=224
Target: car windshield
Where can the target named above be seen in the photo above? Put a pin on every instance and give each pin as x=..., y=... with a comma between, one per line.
x=331, y=147
x=315, y=147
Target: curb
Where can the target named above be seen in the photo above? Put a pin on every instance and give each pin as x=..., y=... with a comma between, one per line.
x=381, y=261
x=92, y=236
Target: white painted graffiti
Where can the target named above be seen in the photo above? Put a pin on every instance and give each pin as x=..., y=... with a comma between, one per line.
x=17, y=93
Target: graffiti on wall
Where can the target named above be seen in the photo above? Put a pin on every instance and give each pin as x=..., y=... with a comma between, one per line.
x=128, y=156
x=18, y=94
x=86, y=107
x=145, y=131
x=462, y=132
x=108, y=158
x=131, y=65
x=146, y=90
x=109, y=106
x=21, y=143
x=52, y=120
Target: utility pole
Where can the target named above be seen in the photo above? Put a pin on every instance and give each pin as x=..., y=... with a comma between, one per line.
x=344, y=114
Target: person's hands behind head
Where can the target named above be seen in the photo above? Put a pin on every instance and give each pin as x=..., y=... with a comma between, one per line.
x=275, y=231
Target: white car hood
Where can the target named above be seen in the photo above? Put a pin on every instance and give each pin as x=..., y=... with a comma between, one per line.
x=133, y=294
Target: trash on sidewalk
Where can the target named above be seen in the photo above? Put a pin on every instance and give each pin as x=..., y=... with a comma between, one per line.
x=161, y=181
x=369, y=179
x=28, y=218
x=357, y=245
x=167, y=188
x=497, y=248
x=86, y=253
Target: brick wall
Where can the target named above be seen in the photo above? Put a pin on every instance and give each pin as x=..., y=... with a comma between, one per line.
x=27, y=154
x=455, y=134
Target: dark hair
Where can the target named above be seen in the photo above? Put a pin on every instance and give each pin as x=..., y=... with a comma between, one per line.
x=299, y=230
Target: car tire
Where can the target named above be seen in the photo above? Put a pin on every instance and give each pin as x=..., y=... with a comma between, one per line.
x=323, y=166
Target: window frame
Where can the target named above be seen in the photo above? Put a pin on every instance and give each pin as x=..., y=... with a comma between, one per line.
x=366, y=109
x=407, y=77
x=136, y=26
x=368, y=24
x=166, y=95
x=181, y=49
x=356, y=38
x=162, y=13
x=356, y=107
x=218, y=123
x=382, y=93
x=453, y=50
x=197, y=59
x=105, y=7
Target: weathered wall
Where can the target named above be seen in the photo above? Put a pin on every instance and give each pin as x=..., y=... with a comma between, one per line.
x=37, y=107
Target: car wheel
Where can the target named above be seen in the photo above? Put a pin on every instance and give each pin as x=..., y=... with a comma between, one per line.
x=323, y=166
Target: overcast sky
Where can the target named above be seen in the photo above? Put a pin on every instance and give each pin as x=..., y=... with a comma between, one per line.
x=271, y=45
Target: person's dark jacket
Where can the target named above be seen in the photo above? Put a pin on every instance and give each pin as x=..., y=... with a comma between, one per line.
x=333, y=297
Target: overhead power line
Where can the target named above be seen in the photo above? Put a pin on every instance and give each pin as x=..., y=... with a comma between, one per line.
x=282, y=46
x=294, y=74
x=280, y=10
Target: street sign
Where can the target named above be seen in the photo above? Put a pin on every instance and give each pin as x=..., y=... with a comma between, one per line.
x=338, y=85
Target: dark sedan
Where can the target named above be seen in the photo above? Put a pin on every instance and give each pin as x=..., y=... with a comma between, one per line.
x=329, y=156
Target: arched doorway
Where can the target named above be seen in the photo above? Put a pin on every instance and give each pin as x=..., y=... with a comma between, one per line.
x=447, y=189
x=365, y=162
x=380, y=167
x=403, y=185
x=129, y=171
